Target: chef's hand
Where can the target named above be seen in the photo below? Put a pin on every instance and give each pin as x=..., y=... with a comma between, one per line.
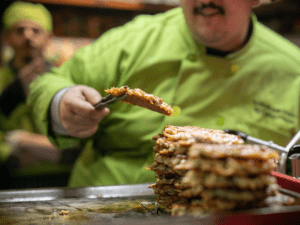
x=30, y=148
x=77, y=113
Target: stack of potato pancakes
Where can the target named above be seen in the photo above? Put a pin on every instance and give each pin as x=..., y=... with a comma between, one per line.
x=203, y=170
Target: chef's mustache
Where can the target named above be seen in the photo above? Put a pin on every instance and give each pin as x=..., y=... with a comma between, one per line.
x=199, y=9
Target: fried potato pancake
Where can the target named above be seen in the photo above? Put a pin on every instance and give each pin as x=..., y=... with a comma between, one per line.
x=162, y=170
x=174, y=133
x=169, y=161
x=230, y=194
x=202, y=170
x=228, y=166
x=211, y=180
x=242, y=151
x=140, y=98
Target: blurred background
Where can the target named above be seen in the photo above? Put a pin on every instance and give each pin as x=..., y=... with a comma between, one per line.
x=79, y=22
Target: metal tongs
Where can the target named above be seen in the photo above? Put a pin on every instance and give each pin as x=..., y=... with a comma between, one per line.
x=108, y=100
x=291, y=151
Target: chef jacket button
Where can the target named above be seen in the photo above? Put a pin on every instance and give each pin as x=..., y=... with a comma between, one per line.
x=234, y=68
x=192, y=57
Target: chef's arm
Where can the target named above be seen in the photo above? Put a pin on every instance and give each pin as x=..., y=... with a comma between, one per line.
x=72, y=112
x=31, y=147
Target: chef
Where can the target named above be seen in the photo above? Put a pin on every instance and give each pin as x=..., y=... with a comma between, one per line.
x=211, y=59
x=28, y=154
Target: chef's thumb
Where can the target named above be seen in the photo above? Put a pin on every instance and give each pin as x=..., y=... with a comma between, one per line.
x=91, y=94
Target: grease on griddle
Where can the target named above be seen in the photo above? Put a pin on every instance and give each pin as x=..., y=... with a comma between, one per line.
x=121, y=207
x=112, y=209
x=63, y=212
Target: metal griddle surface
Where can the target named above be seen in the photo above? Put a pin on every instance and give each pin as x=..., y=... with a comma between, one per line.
x=103, y=205
x=84, y=205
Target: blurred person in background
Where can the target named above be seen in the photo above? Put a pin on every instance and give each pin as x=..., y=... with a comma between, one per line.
x=211, y=58
x=28, y=157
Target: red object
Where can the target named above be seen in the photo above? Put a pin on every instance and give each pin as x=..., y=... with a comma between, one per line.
x=272, y=218
x=287, y=182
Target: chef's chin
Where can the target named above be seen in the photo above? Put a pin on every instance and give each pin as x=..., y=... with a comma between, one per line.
x=208, y=38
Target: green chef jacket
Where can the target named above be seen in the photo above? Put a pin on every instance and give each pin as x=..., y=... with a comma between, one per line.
x=254, y=90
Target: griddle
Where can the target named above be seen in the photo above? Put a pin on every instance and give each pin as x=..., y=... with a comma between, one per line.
x=120, y=204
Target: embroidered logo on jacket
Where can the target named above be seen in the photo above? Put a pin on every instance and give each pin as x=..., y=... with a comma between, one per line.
x=272, y=112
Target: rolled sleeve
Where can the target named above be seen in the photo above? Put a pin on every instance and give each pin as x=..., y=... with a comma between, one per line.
x=57, y=126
